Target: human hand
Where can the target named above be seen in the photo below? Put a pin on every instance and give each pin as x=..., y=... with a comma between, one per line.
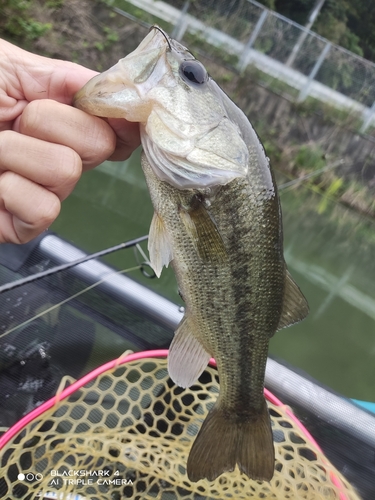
x=45, y=143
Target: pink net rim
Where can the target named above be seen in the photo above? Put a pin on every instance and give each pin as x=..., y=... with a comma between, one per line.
x=155, y=353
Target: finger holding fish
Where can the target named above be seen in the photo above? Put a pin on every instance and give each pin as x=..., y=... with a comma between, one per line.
x=57, y=143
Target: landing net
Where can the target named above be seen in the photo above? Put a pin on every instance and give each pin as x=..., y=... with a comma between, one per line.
x=125, y=431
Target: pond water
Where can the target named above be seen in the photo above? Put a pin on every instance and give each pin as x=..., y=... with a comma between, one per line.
x=329, y=249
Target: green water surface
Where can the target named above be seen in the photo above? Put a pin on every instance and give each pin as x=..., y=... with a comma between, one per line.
x=330, y=251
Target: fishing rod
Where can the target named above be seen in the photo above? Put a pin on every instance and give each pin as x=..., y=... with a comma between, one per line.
x=68, y=265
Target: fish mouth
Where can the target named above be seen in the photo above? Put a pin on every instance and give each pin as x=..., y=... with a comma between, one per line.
x=122, y=88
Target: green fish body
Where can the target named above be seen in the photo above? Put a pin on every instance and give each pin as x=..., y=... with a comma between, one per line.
x=218, y=221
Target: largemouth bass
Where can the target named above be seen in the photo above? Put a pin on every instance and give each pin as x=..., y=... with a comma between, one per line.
x=218, y=221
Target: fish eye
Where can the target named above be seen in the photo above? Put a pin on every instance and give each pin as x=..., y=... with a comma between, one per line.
x=193, y=72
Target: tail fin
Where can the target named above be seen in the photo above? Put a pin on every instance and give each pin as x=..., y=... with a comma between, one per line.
x=225, y=440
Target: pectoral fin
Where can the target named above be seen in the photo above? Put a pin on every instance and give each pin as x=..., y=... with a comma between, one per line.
x=295, y=307
x=187, y=358
x=158, y=245
x=203, y=232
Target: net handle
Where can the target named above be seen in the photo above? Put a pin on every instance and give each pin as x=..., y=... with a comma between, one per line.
x=155, y=353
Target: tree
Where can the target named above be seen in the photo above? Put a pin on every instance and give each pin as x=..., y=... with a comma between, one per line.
x=349, y=23
x=361, y=21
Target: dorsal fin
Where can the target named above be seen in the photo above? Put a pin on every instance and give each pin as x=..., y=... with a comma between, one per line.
x=295, y=307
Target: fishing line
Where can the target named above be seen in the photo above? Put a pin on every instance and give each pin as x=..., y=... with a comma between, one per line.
x=52, y=308
x=140, y=250
x=131, y=17
x=68, y=265
x=325, y=196
x=311, y=174
x=155, y=27
x=145, y=262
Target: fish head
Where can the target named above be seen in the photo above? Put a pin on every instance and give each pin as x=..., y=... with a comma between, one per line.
x=121, y=91
x=193, y=135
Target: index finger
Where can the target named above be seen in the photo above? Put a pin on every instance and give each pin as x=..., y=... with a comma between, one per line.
x=89, y=136
x=32, y=77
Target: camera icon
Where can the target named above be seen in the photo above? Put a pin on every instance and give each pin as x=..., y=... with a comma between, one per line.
x=30, y=477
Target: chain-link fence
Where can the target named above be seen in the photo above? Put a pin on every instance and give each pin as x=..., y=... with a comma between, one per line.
x=243, y=32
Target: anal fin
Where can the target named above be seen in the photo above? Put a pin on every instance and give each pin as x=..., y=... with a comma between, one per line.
x=158, y=245
x=187, y=358
x=295, y=306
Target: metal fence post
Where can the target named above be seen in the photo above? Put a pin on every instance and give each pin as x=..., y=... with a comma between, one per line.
x=305, y=31
x=182, y=23
x=245, y=57
x=368, y=116
x=305, y=89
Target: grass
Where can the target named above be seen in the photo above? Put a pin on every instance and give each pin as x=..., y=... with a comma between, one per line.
x=140, y=14
x=197, y=43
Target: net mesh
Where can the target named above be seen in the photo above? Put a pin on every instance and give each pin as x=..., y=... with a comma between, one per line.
x=85, y=307
x=127, y=434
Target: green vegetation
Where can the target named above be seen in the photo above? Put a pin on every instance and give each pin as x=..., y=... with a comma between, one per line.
x=18, y=24
x=271, y=83
x=331, y=192
x=111, y=36
x=140, y=14
x=343, y=117
x=310, y=157
x=198, y=44
x=310, y=165
x=269, y=136
x=349, y=23
x=329, y=114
